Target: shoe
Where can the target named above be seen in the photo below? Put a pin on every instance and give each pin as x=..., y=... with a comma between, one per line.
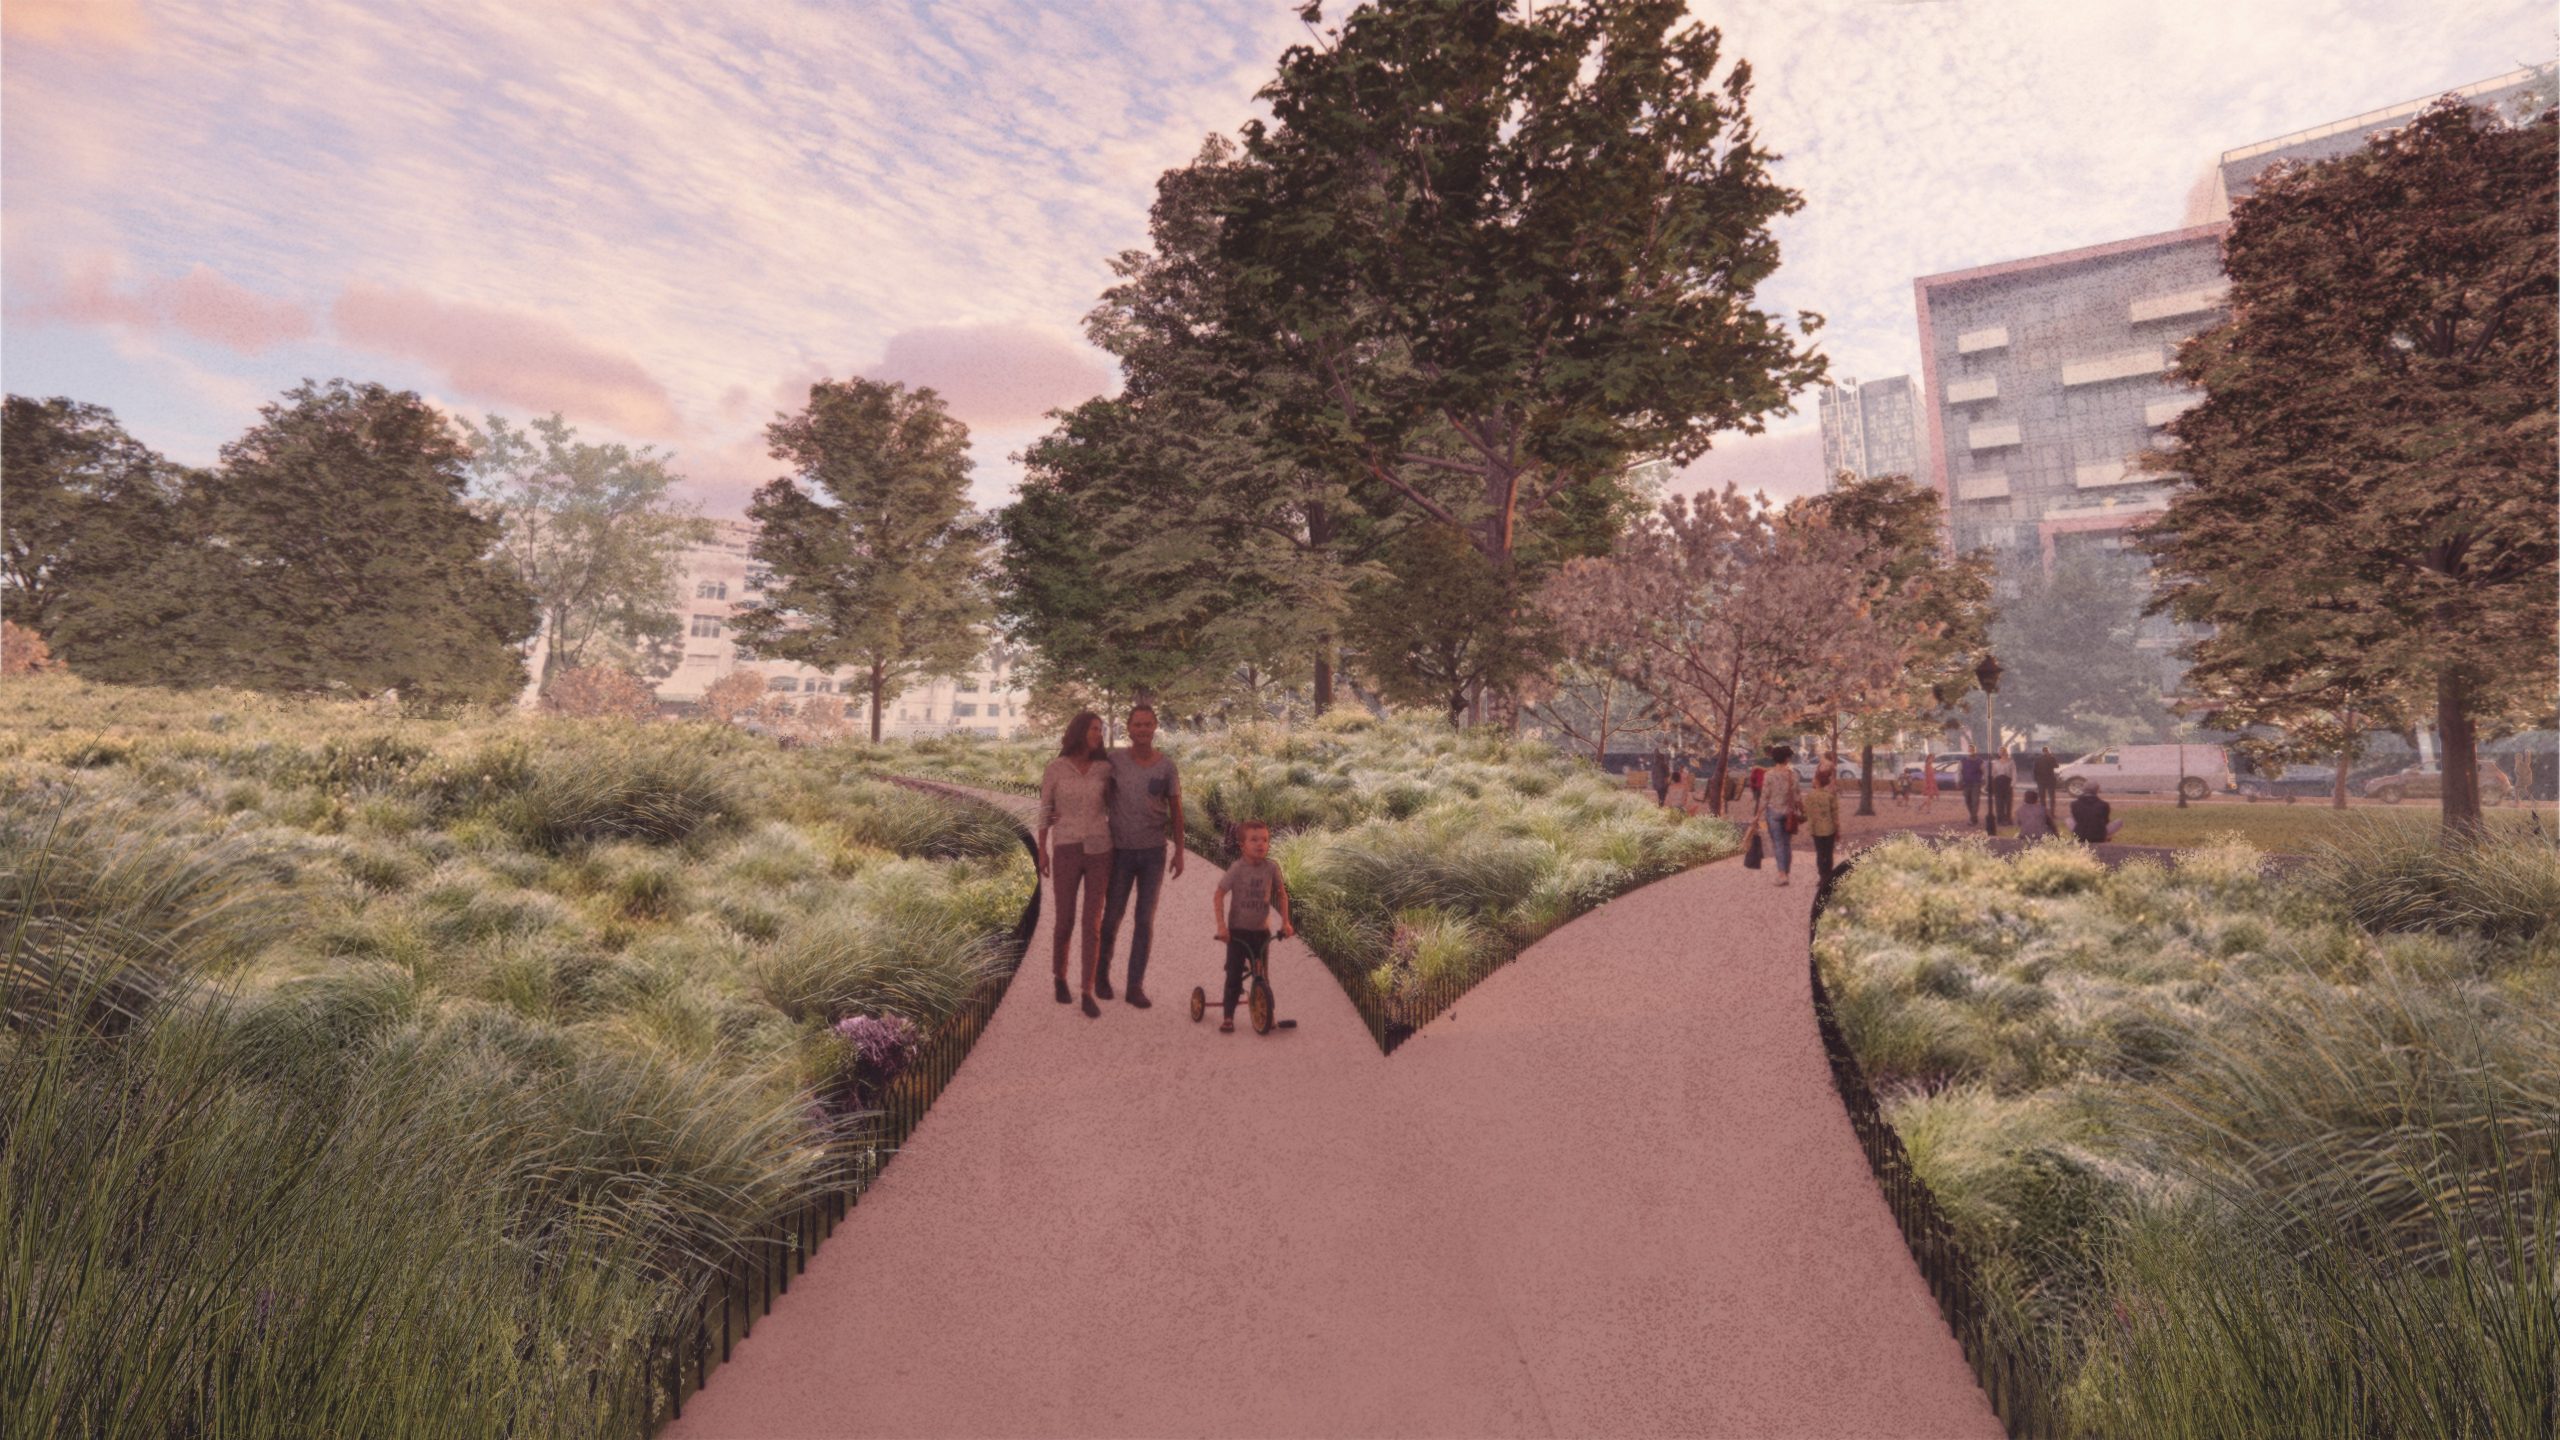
x=1065, y=995
x=1227, y=1026
x=1092, y=1009
x=1102, y=987
x=1782, y=877
x=1138, y=998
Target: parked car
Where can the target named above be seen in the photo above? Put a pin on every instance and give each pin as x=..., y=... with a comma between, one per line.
x=2151, y=770
x=2308, y=782
x=2426, y=782
x=1950, y=770
x=1846, y=770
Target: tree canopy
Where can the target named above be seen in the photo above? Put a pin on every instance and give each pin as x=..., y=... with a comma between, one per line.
x=81, y=503
x=2368, y=494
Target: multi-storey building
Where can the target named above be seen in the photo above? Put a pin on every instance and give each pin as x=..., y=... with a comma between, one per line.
x=1869, y=429
x=2047, y=379
x=2237, y=173
x=720, y=577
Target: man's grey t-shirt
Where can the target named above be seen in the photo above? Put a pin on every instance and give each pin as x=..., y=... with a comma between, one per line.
x=1141, y=801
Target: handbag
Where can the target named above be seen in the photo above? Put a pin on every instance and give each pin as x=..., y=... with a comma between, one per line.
x=1751, y=851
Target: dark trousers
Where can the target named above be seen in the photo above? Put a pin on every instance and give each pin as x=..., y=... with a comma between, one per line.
x=1973, y=803
x=2003, y=790
x=1242, y=946
x=1079, y=876
x=1822, y=855
x=1145, y=870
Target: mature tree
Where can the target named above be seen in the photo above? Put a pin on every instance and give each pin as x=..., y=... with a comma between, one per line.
x=1505, y=250
x=592, y=531
x=1739, y=623
x=2369, y=476
x=877, y=562
x=332, y=548
x=2071, y=664
x=82, y=503
x=1441, y=626
x=2313, y=714
x=1936, y=605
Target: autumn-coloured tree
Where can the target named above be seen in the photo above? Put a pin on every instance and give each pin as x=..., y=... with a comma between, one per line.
x=2368, y=479
x=22, y=650
x=738, y=695
x=600, y=691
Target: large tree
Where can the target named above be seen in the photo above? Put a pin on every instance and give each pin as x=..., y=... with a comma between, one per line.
x=1440, y=626
x=1503, y=250
x=2369, y=475
x=332, y=548
x=82, y=504
x=592, y=531
x=2072, y=664
x=875, y=560
x=1934, y=603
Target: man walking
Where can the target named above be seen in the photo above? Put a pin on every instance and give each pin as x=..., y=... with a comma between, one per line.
x=1146, y=813
x=2049, y=777
x=1969, y=775
x=1661, y=777
x=2004, y=786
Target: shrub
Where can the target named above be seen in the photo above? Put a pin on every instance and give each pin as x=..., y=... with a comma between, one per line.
x=600, y=692
x=23, y=651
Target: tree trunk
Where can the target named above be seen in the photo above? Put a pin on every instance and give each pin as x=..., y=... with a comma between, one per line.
x=2338, y=788
x=2460, y=759
x=1324, y=675
x=1867, y=778
x=879, y=702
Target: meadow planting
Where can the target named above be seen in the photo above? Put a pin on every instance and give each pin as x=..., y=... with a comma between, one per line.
x=2246, y=1155
x=1419, y=858
x=394, y=1077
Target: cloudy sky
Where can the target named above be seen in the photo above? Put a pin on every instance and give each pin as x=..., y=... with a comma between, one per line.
x=665, y=217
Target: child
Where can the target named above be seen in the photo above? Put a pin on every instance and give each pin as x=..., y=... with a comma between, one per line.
x=1242, y=903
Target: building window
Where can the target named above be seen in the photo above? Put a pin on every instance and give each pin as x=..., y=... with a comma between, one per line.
x=707, y=627
x=969, y=686
x=782, y=683
x=964, y=712
x=711, y=590
x=822, y=687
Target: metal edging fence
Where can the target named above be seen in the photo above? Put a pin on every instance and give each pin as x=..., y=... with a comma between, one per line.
x=677, y=1359
x=2009, y=1367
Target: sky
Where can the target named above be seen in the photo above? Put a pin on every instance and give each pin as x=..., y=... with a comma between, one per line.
x=665, y=218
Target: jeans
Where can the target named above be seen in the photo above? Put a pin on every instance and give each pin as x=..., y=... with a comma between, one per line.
x=1243, y=946
x=1822, y=855
x=1144, y=868
x=2003, y=793
x=1079, y=874
x=1973, y=804
x=1781, y=844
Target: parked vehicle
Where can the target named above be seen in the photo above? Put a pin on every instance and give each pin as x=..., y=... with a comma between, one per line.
x=1846, y=770
x=2426, y=782
x=2151, y=770
x=1950, y=770
x=2307, y=782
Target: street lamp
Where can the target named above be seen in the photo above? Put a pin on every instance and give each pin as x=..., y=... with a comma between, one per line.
x=1988, y=674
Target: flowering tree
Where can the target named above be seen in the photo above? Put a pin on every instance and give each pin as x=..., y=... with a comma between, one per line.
x=600, y=690
x=738, y=695
x=22, y=650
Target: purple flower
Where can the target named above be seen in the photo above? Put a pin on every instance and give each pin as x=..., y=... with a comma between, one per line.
x=881, y=1046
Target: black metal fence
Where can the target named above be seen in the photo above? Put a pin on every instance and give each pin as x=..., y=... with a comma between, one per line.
x=2005, y=1361
x=673, y=1364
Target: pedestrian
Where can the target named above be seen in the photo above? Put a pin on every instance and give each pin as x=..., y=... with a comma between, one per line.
x=1928, y=781
x=2034, y=821
x=1074, y=849
x=1822, y=818
x=2091, y=817
x=1242, y=903
x=1781, y=808
x=2049, y=776
x=2004, y=786
x=1146, y=818
x=1661, y=776
x=1969, y=775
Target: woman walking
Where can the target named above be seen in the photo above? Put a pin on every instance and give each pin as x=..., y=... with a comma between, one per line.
x=1075, y=847
x=1780, y=806
x=1822, y=818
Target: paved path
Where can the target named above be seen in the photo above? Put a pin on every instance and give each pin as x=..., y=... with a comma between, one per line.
x=1609, y=1193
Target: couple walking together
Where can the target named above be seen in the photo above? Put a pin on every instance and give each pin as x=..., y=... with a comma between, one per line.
x=1106, y=819
x=1785, y=805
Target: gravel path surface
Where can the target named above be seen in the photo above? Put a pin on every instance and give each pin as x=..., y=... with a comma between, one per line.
x=1609, y=1193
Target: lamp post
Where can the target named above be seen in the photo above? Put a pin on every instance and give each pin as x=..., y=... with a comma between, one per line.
x=1988, y=675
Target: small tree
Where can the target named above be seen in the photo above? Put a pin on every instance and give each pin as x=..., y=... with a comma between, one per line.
x=22, y=651
x=600, y=691
x=1442, y=626
x=738, y=695
x=2368, y=494
x=876, y=561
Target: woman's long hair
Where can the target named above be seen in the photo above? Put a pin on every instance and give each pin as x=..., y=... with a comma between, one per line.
x=1075, y=744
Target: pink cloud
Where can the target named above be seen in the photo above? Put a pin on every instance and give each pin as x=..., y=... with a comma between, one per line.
x=506, y=357
x=203, y=303
x=110, y=22
x=994, y=375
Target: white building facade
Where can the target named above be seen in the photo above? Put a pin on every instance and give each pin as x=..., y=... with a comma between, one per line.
x=1870, y=429
x=720, y=578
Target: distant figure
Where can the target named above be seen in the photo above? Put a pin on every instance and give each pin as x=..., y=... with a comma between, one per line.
x=1822, y=818
x=2004, y=784
x=1928, y=781
x=2049, y=775
x=1969, y=775
x=1780, y=807
x=2034, y=821
x=2090, y=818
x=1661, y=777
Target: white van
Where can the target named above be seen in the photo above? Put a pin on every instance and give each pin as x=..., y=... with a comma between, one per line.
x=2150, y=770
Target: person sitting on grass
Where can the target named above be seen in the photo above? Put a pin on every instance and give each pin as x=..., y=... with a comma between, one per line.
x=2034, y=823
x=1242, y=904
x=2089, y=818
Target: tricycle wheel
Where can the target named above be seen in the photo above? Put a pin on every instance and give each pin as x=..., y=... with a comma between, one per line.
x=1199, y=1004
x=1261, y=1004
